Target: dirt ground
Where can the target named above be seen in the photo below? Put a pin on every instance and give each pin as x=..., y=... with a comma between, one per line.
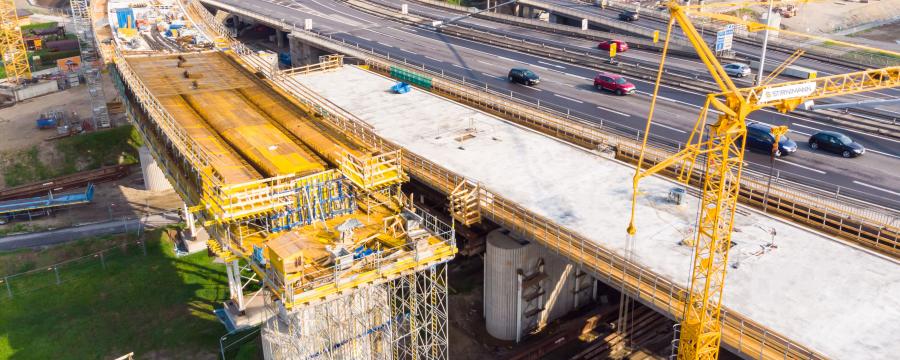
x=886, y=33
x=826, y=17
x=125, y=197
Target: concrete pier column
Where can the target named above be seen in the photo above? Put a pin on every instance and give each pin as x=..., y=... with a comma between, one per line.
x=279, y=38
x=154, y=178
x=302, y=53
x=190, y=221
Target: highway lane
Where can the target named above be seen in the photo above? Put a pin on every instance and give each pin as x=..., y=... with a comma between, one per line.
x=684, y=64
x=567, y=86
x=750, y=51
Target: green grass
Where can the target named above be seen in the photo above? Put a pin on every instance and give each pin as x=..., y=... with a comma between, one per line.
x=83, y=152
x=157, y=306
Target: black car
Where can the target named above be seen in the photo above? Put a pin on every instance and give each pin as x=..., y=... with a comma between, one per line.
x=629, y=15
x=837, y=143
x=524, y=76
x=760, y=138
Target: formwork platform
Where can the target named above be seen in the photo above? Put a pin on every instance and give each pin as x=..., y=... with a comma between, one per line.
x=817, y=291
x=204, y=92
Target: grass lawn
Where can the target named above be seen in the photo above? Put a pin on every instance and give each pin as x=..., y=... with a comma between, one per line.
x=77, y=153
x=157, y=306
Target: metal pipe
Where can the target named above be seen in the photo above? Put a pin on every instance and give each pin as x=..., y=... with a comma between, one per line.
x=762, y=56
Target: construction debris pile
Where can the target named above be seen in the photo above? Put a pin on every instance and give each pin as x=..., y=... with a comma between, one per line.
x=156, y=25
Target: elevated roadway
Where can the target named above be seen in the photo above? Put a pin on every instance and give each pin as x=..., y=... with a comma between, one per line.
x=530, y=187
x=568, y=87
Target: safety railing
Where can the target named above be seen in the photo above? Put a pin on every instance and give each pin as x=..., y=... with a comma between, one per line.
x=875, y=227
x=651, y=288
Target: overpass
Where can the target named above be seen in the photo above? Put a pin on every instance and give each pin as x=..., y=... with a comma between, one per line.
x=545, y=189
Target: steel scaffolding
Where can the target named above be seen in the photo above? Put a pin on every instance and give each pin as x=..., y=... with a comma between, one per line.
x=405, y=318
x=81, y=17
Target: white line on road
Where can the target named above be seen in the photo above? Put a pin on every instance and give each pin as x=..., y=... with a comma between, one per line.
x=553, y=65
x=506, y=58
x=876, y=188
x=364, y=38
x=488, y=75
x=460, y=66
x=429, y=57
x=568, y=98
x=883, y=153
x=671, y=128
x=536, y=66
x=799, y=132
x=486, y=63
x=406, y=51
x=613, y=111
x=801, y=166
x=577, y=76
x=804, y=126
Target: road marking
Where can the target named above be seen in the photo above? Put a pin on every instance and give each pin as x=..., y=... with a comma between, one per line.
x=406, y=51
x=671, y=128
x=876, y=188
x=804, y=126
x=537, y=66
x=429, y=57
x=883, y=153
x=461, y=67
x=506, y=58
x=488, y=75
x=577, y=76
x=487, y=63
x=801, y=166
x=842, y=128
x=613, y=111
x=799, y=132
x=534, y=88
x=553, y=65
x=568, y=98
x=364, y=38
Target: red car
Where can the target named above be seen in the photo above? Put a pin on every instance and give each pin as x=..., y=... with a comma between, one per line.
x=621, y=46
x=614, y=83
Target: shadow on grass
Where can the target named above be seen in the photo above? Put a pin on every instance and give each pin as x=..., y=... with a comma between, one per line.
x=157, y=306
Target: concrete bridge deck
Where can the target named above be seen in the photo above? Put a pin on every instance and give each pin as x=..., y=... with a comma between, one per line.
x=802, y=284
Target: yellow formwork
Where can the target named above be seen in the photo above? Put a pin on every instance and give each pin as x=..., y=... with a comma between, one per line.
x=250, y=132
x=228, y=164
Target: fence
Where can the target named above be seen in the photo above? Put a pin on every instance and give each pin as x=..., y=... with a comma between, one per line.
x=70, y=272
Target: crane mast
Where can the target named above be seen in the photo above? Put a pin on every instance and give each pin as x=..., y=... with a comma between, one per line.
x=15, y=57
x=720, y=145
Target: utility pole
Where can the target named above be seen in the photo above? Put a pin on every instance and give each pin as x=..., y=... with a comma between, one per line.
x=762, y=56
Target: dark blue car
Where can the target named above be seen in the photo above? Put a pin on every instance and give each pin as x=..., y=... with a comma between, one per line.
x=760, y=138
x=837, y=143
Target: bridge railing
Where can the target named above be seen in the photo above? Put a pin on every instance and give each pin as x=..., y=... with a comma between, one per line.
x=740, y=332
x=834, y=212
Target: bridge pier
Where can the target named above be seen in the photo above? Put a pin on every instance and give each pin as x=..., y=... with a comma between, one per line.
x=154, y=178
x=303, y=53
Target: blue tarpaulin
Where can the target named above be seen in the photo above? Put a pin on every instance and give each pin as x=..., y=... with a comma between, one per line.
x=400, y=88
x=125, y=18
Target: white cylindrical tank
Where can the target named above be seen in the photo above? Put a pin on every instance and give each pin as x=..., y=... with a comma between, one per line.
x=504, y=256
x=154, y=179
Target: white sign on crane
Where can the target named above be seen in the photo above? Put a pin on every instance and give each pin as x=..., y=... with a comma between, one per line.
x=787, y=91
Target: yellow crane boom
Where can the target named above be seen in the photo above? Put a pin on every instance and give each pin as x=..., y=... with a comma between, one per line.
x=722, y=145
x=15, y=56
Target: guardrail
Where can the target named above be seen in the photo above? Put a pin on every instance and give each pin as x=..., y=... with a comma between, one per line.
x=785, y=43
x=633, y=68
x=852, y=220
x=740, y=333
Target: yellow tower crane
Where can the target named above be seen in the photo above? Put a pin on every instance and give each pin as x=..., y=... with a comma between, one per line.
x=720, y=144
x=15, y=57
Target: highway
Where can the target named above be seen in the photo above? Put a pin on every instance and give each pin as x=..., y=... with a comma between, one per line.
x=872, y=177
x=742, y=49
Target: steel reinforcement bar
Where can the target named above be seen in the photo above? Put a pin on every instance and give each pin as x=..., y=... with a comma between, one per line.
x=858, y=222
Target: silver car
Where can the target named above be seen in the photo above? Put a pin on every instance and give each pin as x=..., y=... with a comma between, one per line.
x=737, y=70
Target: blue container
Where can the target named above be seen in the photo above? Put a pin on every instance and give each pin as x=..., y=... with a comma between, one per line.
x=47, y=123
x=125, y=18
x=400, y=88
